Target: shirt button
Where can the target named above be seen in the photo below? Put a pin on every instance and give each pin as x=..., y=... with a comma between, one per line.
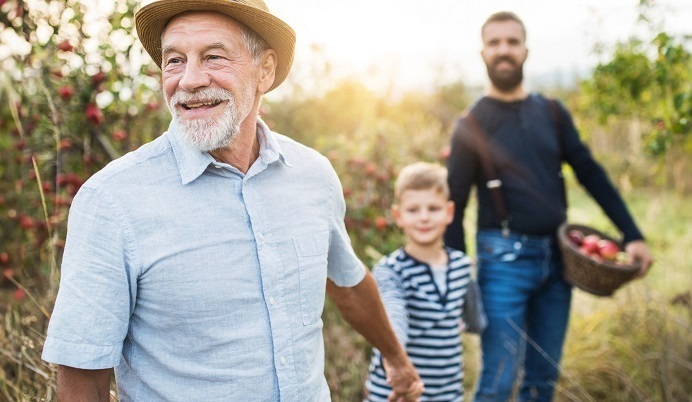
x=283, y=361
x=217, y=166
x=517, y=245
x=272, y=301
x=260, y=237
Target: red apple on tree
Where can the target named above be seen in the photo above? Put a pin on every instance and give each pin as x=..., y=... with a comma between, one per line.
x=65, y=46
x=66, y=92
x=93, y=114
x=381, y=223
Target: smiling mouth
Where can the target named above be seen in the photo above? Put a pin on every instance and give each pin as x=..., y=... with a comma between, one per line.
x=208, y=104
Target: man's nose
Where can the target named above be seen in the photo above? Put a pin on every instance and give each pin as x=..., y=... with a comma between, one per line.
x=194, y=77
x=503, y=48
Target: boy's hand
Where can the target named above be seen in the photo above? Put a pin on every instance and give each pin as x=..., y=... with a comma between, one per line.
x=404, y=380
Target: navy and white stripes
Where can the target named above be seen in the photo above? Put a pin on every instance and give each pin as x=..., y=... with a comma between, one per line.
x=426, y=322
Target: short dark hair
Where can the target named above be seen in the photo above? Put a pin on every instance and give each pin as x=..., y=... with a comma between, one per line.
x=503, y=16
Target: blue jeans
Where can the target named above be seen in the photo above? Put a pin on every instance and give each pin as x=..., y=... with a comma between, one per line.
x=527, y=302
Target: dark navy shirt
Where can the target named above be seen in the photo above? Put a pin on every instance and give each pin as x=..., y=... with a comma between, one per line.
x=528, y=143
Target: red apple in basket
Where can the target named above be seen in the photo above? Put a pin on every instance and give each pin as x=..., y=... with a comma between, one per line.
x=584, y=250
x=608, y=249
x=576, y=237
x=590, y=244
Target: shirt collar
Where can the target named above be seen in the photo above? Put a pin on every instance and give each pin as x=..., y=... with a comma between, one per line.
x=270, y=149
x=192, y=163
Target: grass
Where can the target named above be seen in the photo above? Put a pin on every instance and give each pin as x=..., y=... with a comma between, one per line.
x=628, y=351
x=635, y=346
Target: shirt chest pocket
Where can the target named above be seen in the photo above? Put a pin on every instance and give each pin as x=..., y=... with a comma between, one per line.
x=311, y=252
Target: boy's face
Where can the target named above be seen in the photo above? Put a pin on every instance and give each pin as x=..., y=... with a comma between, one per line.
x=423, y=215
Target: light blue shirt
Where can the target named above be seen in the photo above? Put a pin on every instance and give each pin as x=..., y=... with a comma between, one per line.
x=198, y=282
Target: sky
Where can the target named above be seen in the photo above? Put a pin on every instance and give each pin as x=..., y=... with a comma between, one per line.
x=416, y=44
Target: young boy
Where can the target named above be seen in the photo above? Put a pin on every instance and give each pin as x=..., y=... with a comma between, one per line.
x=422, y=286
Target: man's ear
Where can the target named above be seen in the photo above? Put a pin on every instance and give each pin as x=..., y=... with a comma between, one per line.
x=267, y=70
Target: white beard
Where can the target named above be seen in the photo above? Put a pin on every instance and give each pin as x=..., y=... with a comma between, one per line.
x=210, y=134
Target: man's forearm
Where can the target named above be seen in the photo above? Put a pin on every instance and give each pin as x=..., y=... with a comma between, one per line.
x=362, y=308
x=78, y=385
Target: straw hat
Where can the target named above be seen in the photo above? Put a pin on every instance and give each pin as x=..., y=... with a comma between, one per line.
x=152, y=19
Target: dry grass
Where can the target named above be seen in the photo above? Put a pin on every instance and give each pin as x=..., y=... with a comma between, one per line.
x=23, y=375
x=636, y=346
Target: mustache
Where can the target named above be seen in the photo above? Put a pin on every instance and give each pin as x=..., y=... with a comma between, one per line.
x=504, y=58
x=203, y=95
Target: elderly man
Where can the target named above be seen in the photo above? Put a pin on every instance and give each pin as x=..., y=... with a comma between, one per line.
x=197, y=265
x=519, y=271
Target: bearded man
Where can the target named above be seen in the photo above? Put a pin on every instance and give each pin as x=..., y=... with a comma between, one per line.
x=197, y=265
x=511, y=145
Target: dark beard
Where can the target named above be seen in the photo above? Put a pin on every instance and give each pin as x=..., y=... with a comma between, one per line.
x=506, y=81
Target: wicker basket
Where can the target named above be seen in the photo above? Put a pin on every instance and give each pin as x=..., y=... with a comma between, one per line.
x=598, y=278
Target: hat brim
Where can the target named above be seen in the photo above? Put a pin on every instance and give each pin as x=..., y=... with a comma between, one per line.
x=151, y=19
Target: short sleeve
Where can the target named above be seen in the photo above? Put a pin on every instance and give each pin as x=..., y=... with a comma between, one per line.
x=344, y=267
x=97, y=287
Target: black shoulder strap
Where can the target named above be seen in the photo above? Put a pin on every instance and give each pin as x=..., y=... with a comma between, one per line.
x=493, y=182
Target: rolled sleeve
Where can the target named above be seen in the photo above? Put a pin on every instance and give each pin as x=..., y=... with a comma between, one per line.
x=97, y=287
x=344, y=268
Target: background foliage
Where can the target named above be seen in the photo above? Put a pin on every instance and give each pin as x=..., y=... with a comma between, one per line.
x=77, y=91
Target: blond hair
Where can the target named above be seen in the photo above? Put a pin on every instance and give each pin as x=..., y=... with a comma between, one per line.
x=422, y=176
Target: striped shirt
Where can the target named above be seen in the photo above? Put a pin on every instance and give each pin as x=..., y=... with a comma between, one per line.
x=426, y=321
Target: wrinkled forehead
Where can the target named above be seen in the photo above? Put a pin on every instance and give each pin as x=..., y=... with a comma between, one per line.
x=200, y=19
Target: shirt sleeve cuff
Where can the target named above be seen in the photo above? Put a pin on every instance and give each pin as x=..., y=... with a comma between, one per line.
x=82, y=356
x=352, y=279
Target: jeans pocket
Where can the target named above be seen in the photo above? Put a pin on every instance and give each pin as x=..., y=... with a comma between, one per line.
x=312, y=251
x=496, y=248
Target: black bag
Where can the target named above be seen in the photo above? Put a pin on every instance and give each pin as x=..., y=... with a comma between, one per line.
x=473, y=313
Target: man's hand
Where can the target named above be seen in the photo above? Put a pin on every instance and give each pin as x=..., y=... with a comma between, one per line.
x=361, y=306
x=638, y=253
x=404, y=380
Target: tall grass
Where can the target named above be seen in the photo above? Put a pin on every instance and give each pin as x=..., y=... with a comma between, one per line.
x=635, y=346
